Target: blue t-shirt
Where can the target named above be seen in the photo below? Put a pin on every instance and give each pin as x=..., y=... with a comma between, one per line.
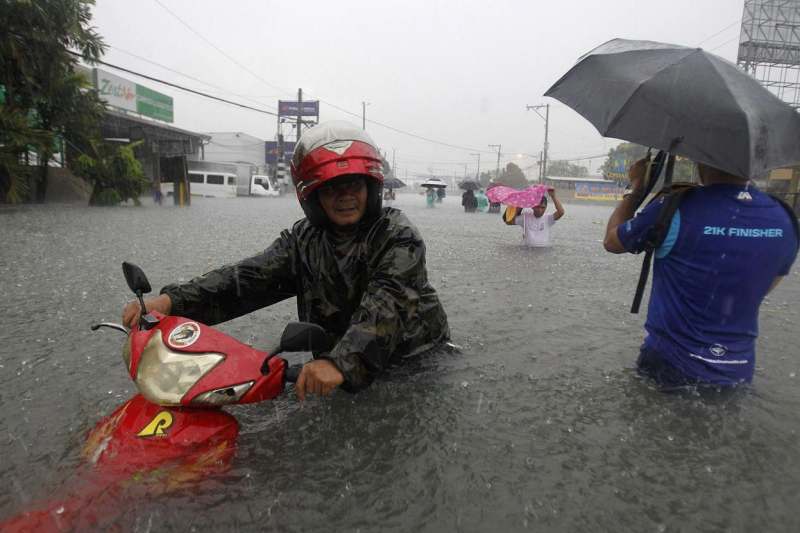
x=725, y=246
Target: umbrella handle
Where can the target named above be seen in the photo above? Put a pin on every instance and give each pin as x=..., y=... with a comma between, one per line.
x=649, y=166
x=649, y=157
x=655, y=167
x=652, y=172
x=668, y=174
x=671, y=161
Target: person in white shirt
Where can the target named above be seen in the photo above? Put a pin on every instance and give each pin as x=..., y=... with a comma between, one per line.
x=536, y=224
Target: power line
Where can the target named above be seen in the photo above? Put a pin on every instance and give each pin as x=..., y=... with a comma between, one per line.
x=723, y=44
x=237, y=63
x=230, y=102
x=176, y=86
x=735, y=22
x=585, y=158
x=239, y=146
x=218, y=49
x=408, y=133
x=431, y=161
x=188, y=76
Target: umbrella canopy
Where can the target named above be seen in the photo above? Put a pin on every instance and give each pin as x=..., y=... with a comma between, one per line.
x=530, y=197
x=433, y=182
x=393, y=183
x=685, y=101
x=469, y=185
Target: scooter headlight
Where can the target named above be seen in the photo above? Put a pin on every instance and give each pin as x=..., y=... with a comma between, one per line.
x=224, y=395
x=164, y=376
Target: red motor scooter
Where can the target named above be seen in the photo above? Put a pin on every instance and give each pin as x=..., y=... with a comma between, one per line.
x=173, y=432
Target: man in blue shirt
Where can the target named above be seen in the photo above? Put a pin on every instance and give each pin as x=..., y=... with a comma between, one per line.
x=728, y=245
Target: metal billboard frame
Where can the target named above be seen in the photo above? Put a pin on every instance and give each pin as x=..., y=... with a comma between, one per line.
x=769, y=46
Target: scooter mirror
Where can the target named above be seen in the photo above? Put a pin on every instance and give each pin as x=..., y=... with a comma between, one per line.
x=303, y=336
x=136, y=279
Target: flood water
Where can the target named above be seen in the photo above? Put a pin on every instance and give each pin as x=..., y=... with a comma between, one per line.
x=539, y=424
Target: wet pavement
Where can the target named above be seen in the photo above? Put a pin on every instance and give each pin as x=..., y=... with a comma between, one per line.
x=540, y=424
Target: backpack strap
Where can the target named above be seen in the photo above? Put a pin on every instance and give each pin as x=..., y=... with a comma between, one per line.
x=644, y=273
x=673, y=195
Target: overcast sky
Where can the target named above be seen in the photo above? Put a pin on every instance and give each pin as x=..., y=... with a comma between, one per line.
x=459, y=72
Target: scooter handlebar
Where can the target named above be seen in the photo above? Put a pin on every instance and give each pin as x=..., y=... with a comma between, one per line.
x=292, y=373
x=112, y=325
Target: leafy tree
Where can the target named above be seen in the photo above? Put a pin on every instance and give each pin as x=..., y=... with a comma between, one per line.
x=44, y=96
x=566, y=169
x=485, y=178
x=512, y=176
x=623, y=155
x=620, y=158
x=16, y=135
x=114, y=171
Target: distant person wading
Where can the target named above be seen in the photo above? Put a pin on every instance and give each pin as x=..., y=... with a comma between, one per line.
x=536, y=225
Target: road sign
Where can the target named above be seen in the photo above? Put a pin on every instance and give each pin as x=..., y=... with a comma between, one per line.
x=287, y=108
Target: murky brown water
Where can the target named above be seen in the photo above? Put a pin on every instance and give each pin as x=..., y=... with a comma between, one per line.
x=540, y=424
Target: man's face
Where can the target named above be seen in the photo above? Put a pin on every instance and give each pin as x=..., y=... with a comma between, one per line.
x=539, y=210
x=344, y=200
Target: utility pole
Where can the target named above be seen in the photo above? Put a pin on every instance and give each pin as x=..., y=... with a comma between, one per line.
x=546, y=143
x=299, y=113
x=393, y=161
x=541, y=158
x=546, y=117
x=465, y=170
x=478, y=170
x=364, y=114
x=498, y=146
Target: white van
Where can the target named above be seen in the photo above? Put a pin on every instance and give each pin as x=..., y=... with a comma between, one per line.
x=261, y=185
x=209, y=184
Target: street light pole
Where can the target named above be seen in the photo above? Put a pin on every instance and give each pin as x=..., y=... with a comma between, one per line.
x=546, y=117
x=299, y=113
x=498, y=146
x=364, y=114
x=478, y=170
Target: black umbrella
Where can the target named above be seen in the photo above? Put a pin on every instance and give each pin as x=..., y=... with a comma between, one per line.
x=685, y=101
x=469, y=185
x=392, y=183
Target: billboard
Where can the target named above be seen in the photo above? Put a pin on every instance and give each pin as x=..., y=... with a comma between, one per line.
x=125, y=94
x=770, y=32
x=619, y=169
x=287, y=108
x=598, y=191
x=272, y=151
x=769, y=46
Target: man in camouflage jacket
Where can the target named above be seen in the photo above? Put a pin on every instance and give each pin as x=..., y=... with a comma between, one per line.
x=356, y=268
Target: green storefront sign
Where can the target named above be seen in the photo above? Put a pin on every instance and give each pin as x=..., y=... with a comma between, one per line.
x=153, y=104
x=125, y=94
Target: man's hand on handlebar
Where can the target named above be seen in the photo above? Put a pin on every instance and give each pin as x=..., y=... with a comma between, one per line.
x=318, y=377
x=132, y=310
